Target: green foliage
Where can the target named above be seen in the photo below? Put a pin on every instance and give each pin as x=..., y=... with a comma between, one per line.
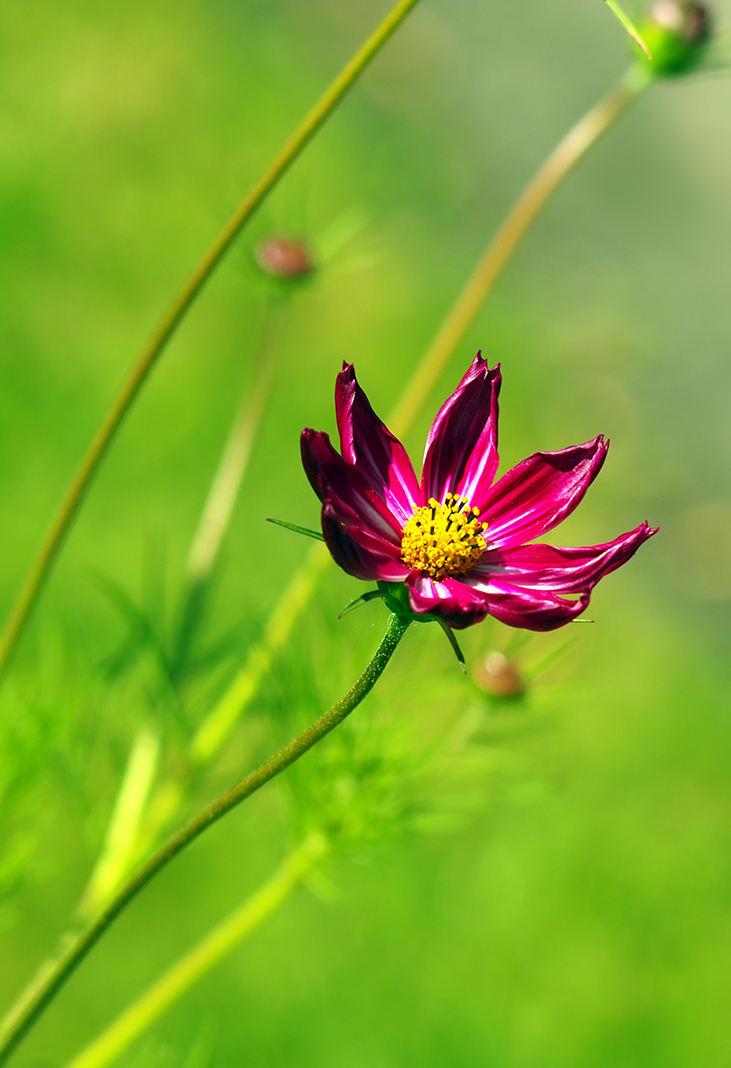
x=572, y=911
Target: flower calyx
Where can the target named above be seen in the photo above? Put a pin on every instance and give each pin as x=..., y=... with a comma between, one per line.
x=396, y=598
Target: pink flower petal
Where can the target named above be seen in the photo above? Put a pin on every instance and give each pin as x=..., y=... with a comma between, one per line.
x=344, y=487
x=531, y=609
x=359, y=553
x=540, y=492
x=456, y=603
x=368, y=444
x=461, y=450
x=544, y=567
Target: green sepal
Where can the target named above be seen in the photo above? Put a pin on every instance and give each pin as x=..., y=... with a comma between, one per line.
x=396, y=597
x=370, y=595
x=452, y=639
x=298, y=530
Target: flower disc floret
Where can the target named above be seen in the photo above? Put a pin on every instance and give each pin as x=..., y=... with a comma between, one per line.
x=443, y=540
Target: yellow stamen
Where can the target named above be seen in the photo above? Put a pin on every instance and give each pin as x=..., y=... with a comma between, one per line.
x=443, y=540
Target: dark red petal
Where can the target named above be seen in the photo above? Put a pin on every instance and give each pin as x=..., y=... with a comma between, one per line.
x=532, y=609
x=344, y=487
x=461, y=450
x=359, y=553
x=456, y=603
x=544, y=567
x=368, y=444
x=540, y=492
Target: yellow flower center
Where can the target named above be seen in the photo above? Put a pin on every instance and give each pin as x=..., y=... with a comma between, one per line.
x=443, y=540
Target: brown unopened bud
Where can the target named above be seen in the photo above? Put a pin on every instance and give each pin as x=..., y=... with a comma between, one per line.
x=499, y=676
x=284, y=257
x=677, y=33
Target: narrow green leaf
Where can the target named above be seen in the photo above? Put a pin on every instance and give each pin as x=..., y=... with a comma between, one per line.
x=369, y=595
x=628, y=25
x=298, y=530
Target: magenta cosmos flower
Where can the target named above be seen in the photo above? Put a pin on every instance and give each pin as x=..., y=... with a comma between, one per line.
x=457, y=540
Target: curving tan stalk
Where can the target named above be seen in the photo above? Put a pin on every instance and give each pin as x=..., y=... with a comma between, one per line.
x=527, y=207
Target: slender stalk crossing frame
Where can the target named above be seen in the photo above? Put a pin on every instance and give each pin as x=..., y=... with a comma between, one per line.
x=20, y=1020
x=48, y=553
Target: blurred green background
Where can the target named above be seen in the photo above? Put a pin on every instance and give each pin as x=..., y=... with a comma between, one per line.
x=579, y=916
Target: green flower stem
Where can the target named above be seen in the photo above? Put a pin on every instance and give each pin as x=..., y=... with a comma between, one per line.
x=23, y=1016
x=217, y=726
x=219, y=723
x=219, y=506
x=546, y=181
x=43, y=564
x=194, y=964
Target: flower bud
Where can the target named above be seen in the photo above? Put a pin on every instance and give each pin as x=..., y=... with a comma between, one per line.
x=499, y=677
x=284, y=257
x=677, y=33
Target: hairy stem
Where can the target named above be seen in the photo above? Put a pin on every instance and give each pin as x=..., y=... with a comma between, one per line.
x=43, y=564
x=21, y=1018
x=194, y=964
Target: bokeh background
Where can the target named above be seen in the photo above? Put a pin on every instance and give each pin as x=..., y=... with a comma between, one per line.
x=578, y=913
